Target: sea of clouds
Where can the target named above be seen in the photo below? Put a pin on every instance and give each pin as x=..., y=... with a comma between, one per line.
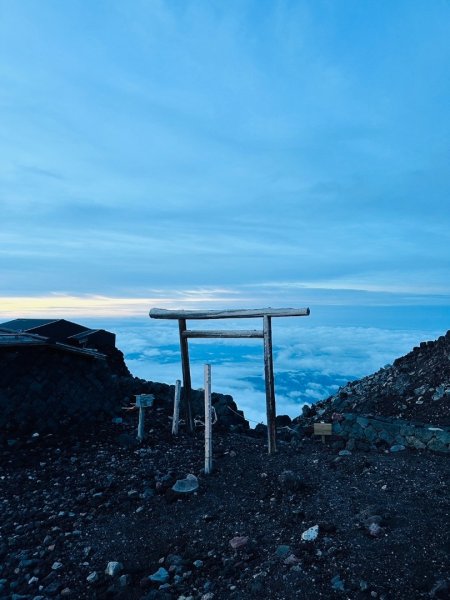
x=312, y=357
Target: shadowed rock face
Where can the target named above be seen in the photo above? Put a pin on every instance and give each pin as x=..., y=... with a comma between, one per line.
x=415, y=388
x=43, y=389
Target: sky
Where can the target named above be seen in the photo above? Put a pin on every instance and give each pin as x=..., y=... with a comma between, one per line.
x=223, y=154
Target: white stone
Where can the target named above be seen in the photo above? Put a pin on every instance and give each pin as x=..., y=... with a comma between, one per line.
x=92, y=577
x=113, y=568
x=186, y=486
x=310, y=534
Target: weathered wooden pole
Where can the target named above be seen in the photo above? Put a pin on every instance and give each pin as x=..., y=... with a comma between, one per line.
x=176, y=407
x=208, y=424
x=140, y=433
x=186, y=375
x=143, y=401
x=161, y=313
x=270, y=385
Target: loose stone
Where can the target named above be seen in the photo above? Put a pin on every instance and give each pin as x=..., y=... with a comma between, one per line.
x=160, y=576
x=310, y=534
x=238, y=542
x=92, y=577
x=113, y=568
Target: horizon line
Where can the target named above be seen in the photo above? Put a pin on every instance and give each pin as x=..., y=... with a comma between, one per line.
x=95, y=305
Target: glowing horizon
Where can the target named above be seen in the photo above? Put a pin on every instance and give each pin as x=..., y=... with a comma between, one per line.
x=89, y=305
x=274, y=295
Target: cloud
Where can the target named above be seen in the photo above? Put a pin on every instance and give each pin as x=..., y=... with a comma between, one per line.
x=223, y=145
x=312, y=355
x=309, y=363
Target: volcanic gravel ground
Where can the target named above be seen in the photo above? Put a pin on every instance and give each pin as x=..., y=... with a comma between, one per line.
x=70, y=505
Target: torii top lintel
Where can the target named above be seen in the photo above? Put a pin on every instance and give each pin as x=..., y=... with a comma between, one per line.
x=161, y=313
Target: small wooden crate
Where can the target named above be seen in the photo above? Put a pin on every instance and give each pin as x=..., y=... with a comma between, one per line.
x=323, y=429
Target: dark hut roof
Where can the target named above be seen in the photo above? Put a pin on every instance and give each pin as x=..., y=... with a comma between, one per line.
x=15, y=339
x=84, y=334
x=26, y=324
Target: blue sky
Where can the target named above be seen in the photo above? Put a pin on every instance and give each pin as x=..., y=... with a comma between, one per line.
x=223, y=153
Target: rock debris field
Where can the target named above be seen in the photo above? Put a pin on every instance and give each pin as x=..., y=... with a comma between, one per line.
x=93, y=515
x=416, y=387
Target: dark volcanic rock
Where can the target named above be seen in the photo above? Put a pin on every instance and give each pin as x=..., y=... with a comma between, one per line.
x=415, y=388
x=44, y=389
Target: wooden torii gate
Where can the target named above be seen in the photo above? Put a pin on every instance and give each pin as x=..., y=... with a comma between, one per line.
x=265, y=334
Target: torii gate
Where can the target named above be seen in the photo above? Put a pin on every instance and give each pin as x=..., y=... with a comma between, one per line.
x=265, y=334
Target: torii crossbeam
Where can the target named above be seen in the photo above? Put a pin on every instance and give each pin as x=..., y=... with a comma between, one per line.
x=266, y=334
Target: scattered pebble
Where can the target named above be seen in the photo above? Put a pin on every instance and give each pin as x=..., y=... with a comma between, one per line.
x=92, y=577
x=337, y=584
x=113, y=568
x=310, y=534
x=187, y=485
x=160, y=576
x=238, y=542
x=282, y=551
x=397, y=448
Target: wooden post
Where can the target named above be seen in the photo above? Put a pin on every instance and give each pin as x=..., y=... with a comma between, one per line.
x=142, y=402
x=186, y=375
x=208, y=425
x=140, y=434
x=270, y=386
x=176, y=407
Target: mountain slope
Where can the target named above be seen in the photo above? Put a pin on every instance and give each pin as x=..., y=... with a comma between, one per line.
x=416, y=387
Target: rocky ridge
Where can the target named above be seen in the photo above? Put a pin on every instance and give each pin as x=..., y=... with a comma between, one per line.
x=416, y=387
